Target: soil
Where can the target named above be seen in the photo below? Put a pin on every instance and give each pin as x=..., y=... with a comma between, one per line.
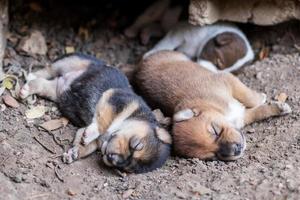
x=268, y=170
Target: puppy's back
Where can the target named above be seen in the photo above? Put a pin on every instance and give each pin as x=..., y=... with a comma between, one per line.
x=167, y=78
x=79, y=101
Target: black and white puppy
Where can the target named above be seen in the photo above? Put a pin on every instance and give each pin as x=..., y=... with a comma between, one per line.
x=115, y=120
x=217, y=47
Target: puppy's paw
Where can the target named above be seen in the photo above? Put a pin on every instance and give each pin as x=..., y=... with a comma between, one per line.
x=71, y=155
x=24, y=91
x=88, y=137
x=284, y=108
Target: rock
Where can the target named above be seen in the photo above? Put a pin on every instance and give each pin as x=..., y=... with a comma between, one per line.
x=16, y=178
x=34, y=44
x=71, y=192
x=258, y=12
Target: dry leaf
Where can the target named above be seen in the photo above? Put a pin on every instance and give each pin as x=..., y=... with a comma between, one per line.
x=34, y=44
x=54, y=124
x=7, y=83
x=10, y=101
x=127, y=193
x=35, y=112
x=281, y=97
x=69, y=49
x=264, y=52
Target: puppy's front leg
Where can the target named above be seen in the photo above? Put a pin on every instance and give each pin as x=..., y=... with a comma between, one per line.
x=79, y=151
x=265, y=111
x=40, y=86
x=244, y=94
x=90, y=133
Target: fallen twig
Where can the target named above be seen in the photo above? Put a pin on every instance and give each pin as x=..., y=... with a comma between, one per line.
x=39, y=195
x=57, y=173
x=56, y=139
x=43, y=145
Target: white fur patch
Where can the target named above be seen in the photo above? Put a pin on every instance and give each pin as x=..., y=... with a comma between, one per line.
x=91, y=133
x=235, y=114
x=64, y=81
x=208, y=65
x=183, y=115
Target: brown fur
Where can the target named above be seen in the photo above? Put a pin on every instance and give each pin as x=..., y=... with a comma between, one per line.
x=105, y=114
x=224, y=50
x=173, y=83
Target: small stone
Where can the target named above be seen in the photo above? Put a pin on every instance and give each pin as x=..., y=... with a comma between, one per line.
x=251, y=131
x=291, y=185
x=17, y=178
x=282, y=97
x=71, y=192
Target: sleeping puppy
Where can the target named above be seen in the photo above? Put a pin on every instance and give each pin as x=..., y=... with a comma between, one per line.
x=217, y=47
x=98, y=97
x=208, y=109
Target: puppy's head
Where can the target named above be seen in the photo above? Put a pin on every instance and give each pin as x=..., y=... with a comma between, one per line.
x=200, y=135
x=224, y=50
x=136, y=146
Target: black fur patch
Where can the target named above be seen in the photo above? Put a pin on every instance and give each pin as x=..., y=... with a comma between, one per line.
x=78, y=103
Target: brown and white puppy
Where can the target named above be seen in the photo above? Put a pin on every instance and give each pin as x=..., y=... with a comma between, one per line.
x=115, y=120
x=208, y=109
x=217, y=47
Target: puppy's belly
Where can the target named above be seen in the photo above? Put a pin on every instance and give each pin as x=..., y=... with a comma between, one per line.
x=64, y=82
x=235, y=114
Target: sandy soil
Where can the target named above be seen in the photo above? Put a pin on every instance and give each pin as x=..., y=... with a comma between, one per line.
x=269, y=169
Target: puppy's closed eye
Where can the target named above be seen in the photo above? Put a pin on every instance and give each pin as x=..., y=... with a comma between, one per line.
x=136, y=144
x=215, y=129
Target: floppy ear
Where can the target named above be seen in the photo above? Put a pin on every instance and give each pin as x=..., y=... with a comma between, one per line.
x=224, y=39
x=185, y=114
x=163, y=135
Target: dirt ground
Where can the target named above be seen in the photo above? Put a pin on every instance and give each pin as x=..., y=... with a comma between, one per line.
x=269, y=169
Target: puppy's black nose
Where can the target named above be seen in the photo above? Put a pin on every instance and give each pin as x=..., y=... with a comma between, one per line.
x=230, y=149
x=111, y=157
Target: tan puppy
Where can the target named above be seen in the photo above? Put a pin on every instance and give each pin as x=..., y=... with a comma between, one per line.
x=208, y=108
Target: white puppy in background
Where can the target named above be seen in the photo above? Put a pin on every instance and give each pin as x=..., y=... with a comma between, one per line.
x=217, y=47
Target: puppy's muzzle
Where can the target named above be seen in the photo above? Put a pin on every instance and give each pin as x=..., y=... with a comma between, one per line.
x=229, y=151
